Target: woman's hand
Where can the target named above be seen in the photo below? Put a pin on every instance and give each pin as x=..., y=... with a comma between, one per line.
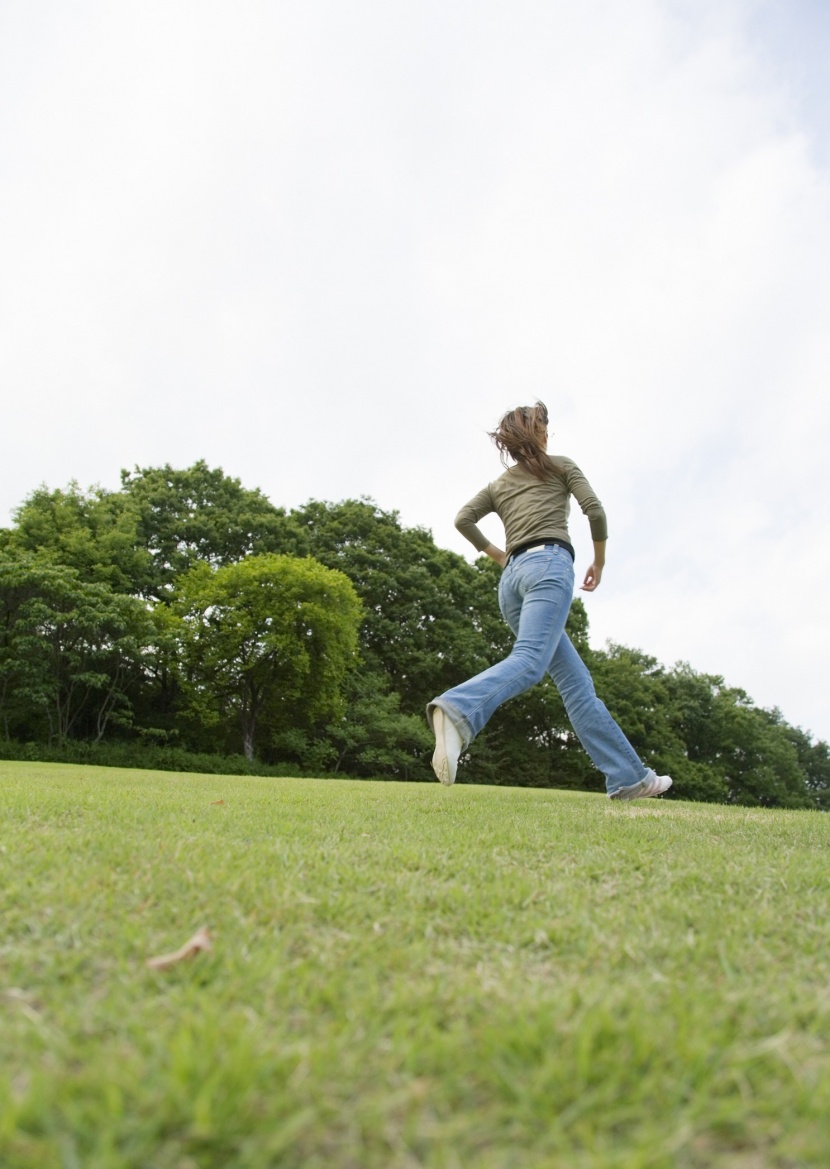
x=496, y=554
x=594, y=574
x=592, y=578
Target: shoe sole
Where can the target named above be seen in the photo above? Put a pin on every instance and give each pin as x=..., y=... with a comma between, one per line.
x=440, y=762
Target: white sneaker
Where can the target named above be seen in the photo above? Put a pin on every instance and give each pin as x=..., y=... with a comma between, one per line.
x=649, y=785
x=448, y=747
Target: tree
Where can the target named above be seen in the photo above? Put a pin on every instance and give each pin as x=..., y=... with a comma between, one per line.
x=755, y=754
x=68, y=648
x=711, y=738
x=94, y=532
x=419, y=628
x=814, y=762
x=431, y=620
x=371, y=736
x=89, y=639
x=270, y=639
x=199, y=515
x=161, y=522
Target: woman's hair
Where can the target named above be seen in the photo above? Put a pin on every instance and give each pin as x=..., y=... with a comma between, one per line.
x=521, y=435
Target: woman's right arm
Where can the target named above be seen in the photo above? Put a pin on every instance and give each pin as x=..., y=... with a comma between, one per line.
x=467, y=523
x=497, y=554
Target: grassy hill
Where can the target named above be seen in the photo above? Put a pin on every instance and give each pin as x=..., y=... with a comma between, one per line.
x=406, y=975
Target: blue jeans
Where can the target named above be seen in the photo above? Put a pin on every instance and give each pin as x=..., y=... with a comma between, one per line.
x=535, y=594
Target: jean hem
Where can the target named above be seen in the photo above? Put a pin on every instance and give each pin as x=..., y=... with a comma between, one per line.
x=622, y=786
x=458, y=720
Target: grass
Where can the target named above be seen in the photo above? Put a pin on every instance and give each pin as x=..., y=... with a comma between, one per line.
x=404, y=976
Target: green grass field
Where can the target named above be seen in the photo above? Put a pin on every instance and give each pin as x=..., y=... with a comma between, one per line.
x=406, y=975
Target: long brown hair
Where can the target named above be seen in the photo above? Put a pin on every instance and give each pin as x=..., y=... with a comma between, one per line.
x=521, y=435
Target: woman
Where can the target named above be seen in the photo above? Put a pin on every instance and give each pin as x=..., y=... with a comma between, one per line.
x=532, y=500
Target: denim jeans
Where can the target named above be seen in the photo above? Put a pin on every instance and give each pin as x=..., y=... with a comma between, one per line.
x=535, y=594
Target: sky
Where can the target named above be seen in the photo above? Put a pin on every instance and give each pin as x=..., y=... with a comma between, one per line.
x=325, y=245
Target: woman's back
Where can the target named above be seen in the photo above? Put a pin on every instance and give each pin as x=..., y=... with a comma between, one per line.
x=532, y=509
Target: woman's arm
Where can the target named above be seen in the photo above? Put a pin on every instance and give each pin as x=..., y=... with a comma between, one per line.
x=582, y=491
x=467, y=523
x=496, y=554
x=594, y=574
x=467, y=519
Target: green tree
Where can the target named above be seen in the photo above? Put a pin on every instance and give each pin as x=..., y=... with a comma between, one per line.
x=711, y=738
x=69, y=649
x=94, y=532
x=814, y=762
x=431, y=620
x=75, y=660
x=199, y=515
x=268, y=640
x=371, y=736
x=421, y=620
x=756, y=755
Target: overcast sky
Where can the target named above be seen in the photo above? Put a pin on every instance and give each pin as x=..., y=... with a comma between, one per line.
x=324, y=244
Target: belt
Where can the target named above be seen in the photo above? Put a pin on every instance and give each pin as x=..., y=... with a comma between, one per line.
x=552, y=543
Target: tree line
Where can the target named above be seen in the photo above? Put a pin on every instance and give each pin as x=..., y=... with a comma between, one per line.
x=185, y=610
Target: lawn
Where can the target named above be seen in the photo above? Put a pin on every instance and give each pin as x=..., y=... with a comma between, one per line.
x=404, y=975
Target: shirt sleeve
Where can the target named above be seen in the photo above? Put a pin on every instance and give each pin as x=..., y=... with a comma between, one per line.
x=583, y=493
x=467, y=519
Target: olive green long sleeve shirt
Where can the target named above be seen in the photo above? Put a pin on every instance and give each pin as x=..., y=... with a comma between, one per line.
x=532, y=510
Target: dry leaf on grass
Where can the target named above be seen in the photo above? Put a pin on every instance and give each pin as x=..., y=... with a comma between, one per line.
x=200, y=941
x=212, y=802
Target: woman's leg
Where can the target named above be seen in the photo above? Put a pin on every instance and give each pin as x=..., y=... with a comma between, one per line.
x=607, y=746
x=596, y=730
x=536, y=607
x=535, y=595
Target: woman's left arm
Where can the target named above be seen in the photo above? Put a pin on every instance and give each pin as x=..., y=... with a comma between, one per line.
x=584, y=494
x=594, y=574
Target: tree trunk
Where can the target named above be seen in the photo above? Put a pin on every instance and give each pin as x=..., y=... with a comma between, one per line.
x=248, y=716
x=108, y=705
